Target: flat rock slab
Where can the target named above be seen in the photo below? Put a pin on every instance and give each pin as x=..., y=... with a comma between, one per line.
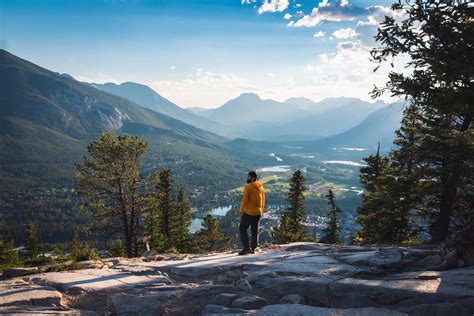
x=303, y=310
x=406, y=288
x=19, y=292
x=216, y=263
x=41, y=310
x=143, y=303
x=88, y=280
x=216, y=310
x=383, y=258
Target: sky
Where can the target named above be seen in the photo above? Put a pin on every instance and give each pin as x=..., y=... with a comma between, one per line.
x=204, y=52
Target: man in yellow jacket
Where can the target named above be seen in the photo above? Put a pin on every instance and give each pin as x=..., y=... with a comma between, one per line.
x=251, y=210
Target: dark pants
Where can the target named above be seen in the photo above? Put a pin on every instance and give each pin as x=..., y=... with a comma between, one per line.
x=245, y=222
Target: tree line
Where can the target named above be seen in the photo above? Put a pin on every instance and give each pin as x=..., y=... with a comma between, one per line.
x=425, y=184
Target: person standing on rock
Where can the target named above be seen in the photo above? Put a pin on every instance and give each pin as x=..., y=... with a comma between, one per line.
x=251, y=210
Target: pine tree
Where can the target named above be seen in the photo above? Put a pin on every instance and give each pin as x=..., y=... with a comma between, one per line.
x=117, y=248
x=182, y=220
x=292, y=227
x=165, y=208
x=8, y=256
x=110, y=182
x=438, y=37
x=333, y=229
x=209, y=238
x=371, y=212
x=32, y=245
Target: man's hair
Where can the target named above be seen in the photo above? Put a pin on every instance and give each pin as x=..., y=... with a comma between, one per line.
x=253, y=174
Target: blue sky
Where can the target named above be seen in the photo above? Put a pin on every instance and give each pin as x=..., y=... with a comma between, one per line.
x=201, y=52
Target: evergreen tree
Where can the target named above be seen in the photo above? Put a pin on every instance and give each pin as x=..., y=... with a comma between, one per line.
x=80, y=250
x=394, y=190
x=209, y=238
x=182, y=220
x=32, y=245
x=110, y=182
x=438, y=36
x=333, y=229
x=162, y=216
x=8, y=256
x=292, y=227
x=117, y=248
x=370, y=213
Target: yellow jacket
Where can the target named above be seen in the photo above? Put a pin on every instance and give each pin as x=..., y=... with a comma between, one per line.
x=253, y=199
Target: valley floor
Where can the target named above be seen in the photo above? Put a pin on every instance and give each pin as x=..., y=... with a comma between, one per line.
x=293, y=279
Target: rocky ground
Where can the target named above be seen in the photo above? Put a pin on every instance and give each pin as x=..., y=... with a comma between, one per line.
x=293, y=279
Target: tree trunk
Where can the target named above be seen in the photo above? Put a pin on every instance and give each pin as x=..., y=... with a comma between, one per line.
x=449, y=187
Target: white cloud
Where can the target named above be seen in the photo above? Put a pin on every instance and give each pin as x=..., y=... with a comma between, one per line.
x=202, y=88
x=376, y=14
x=319, y=34
x=287, y=16
x=97, y=78
x=339, y=10
x=346, y=33
x=273, y=6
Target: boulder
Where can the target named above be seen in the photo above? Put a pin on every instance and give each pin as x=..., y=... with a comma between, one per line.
x=214, y=310
x=149, y=255
x=244, y=285
x=380, y=259
x=19, y=292
x=87, y=280
x=440, y=309
x=23, y=310
x=20, y=271
x=312, y=288
x=224, y=299
x=292, y=299
x=139, y=303
x=91, y=264
x=303, y=310
x=249, y=302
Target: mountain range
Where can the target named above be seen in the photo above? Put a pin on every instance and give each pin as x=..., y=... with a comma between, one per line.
x=294, y=119
x=47, y=119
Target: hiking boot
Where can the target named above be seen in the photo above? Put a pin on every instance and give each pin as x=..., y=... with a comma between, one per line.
x=245, y=252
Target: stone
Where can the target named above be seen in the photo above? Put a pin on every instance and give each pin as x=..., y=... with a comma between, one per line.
x=244, y=285
x=91, y=264
x=224, y=299
x=86, y=280
x=312, y=288
x=419, y=287
x=20, y=292
x=259, y=275
x=214, y=310
x=441, y=309
x=292, y=299
x=382, y=259
x=460, y=263
x=249, y=302
x=429, y=261
x=17, y=272
x=140, y=303
x=23, y=310
x=303, y=310
x=149, y=255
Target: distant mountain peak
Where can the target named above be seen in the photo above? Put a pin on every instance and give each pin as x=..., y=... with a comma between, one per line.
x=249, y=96
x=293, y=100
